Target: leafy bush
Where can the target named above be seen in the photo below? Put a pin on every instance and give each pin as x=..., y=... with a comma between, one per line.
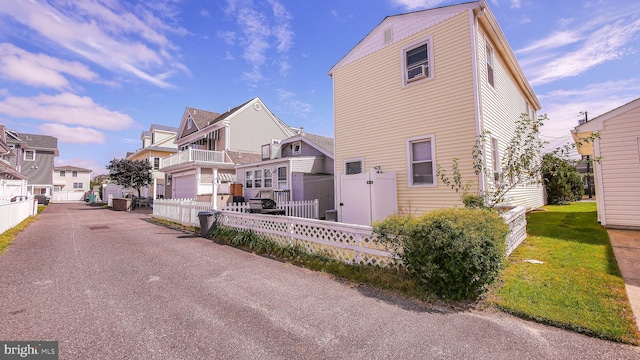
x=454, y=253
x=562, y=180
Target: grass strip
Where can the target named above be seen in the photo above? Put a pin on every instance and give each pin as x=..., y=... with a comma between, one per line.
x=7, y=237
x=578, y=287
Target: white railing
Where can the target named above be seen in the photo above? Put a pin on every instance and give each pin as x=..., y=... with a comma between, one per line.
x=352, y=244
x=193, y=155
x=183, y=211
x=309, y=209
x=13, y=213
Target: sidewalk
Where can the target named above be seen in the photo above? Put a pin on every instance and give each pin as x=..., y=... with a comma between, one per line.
x=626, y=247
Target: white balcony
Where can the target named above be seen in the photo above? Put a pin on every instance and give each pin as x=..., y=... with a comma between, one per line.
x=195, y=157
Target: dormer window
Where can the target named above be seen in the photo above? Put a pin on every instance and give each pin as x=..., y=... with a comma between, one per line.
x=296, y=148
x=189, y=123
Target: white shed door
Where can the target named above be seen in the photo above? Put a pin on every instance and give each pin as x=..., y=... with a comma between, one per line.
x=184, y=187
x=367, y=197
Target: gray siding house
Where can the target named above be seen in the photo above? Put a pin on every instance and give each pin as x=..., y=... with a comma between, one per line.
x=34, y=159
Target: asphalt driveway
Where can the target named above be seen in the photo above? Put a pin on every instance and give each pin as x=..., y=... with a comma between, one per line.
x=110, y=285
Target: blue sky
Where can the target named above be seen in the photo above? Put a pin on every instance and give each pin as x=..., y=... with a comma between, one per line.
x=96, y=73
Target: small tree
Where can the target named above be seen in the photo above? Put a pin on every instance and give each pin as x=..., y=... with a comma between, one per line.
x=130, y=173
x=519, y=165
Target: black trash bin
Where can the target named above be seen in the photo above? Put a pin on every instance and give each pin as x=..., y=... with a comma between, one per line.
x=207, y=222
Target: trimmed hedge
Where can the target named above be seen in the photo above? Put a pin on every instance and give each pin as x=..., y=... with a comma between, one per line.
x=454, y=253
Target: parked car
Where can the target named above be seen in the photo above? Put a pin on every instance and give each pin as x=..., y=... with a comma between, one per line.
x=42, y=199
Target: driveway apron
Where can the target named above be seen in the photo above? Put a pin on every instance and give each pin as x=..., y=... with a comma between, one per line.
x=112, y=285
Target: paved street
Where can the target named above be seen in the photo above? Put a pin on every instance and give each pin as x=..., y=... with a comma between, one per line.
x=110, y=285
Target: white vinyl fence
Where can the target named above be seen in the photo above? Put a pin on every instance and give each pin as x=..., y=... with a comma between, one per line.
x=305, y=209
x=67, y=196
x=13, y=213
x=183, y=211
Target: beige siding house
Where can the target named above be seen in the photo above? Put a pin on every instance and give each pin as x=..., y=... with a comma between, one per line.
x=415, y=93
x=617, y=171
x=210, y=146
x=157, y=143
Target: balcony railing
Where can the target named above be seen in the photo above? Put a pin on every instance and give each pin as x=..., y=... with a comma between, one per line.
x=194, y=156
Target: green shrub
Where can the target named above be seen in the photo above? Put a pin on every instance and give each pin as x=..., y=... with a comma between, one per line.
x=562, y=180
x=454, y=253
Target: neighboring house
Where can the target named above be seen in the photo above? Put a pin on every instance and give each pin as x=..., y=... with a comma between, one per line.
x=34, y=159
x=157, y=143
x=615, y=149
x=415, y=93
x=211, y=145
x=299, y=168
x=12, y=183
x=70, y=182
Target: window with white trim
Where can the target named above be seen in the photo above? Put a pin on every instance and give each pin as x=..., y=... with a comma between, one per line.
x=268, y=178
x=417, y=61
x=248, y=179
x=77, y=185
x=29, y=155
x=257, y=181
x=420, y=152
x=282, y=178
x=296, y=148
x=74, y=173
x=63, y=173
x=156, y=163
x=189, y=123
x=489, y=55
x=352, y=167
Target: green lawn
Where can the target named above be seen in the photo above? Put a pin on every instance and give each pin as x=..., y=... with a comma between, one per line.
x=579, y=286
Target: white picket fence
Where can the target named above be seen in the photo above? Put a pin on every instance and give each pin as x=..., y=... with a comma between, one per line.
x=185, y=211
x=304, y=209
x=13, y=213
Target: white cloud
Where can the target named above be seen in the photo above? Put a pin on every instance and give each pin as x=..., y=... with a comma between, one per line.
x=569, y=53
x=127, y=40
x=418, y=4
x=260, y=34
x=65, y=108
x=40, y=70
x=292, y=105
x=73, y=135
x=564, y=106
x=515, y=4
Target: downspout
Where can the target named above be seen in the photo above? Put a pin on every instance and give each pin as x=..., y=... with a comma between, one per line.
x=597, y=173
x=477, y=90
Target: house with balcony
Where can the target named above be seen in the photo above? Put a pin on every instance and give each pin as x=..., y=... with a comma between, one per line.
x=416, y=93
x=298, y=168
x=210, y=146
x=157, y=143
x=34, y=159
x=12, y=183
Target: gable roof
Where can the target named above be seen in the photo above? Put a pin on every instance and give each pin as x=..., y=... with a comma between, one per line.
x=597, y=123
x=71, y=168
x=322, y=143
x=408, y=24
x=33, y=141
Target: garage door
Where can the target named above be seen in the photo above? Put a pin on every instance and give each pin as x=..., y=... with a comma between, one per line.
x=184, y=187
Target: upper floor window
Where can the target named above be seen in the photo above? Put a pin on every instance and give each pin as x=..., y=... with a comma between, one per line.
x=74, y=173
x=63, y=173
x=189, y=123
x=417, y=61
x=296, y=148
x=421, y=160
x=352, y=167
x=29, y=155
x=156, y=163
x=489, y=55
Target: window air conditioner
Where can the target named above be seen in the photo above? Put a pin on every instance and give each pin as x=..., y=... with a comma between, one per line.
x=416, y=73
